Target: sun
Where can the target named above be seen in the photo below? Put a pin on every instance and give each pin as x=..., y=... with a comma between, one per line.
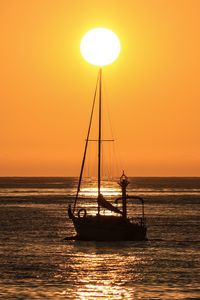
x=100, y=46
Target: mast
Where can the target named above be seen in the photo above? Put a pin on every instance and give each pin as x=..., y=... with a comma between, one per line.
x=99, y=138
x=86, y=144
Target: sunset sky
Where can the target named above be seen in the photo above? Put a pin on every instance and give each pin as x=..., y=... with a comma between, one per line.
x=153, y=89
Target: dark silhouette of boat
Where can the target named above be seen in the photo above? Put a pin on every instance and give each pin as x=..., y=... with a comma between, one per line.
x=101, y=227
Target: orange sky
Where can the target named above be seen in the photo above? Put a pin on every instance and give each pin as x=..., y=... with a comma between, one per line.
x=46, y=89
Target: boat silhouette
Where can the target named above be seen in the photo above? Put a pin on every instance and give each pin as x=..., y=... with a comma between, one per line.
x=100, y=227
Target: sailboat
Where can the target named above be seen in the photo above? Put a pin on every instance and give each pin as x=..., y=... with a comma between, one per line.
x=100, y=227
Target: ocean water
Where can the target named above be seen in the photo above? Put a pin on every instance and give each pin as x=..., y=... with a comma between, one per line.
x=37, y=263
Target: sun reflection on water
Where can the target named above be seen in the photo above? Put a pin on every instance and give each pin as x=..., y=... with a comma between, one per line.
x=92, y=291
x=102, y=271
x=106, y=191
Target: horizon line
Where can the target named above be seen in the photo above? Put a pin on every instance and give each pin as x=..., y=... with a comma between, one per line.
x=77, y=176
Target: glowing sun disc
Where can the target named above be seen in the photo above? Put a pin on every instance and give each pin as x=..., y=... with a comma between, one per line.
x=100, y=46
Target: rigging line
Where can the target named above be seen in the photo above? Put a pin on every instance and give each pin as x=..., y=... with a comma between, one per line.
x=116, y=153
x=86, y=144
x=110, y=132
x=107, y=109
x=118, y=161
x=110, y=164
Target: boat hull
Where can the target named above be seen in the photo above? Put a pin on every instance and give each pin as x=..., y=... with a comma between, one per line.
x=108, y=228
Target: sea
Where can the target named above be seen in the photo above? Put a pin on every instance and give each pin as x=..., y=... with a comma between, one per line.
x=38, y=262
